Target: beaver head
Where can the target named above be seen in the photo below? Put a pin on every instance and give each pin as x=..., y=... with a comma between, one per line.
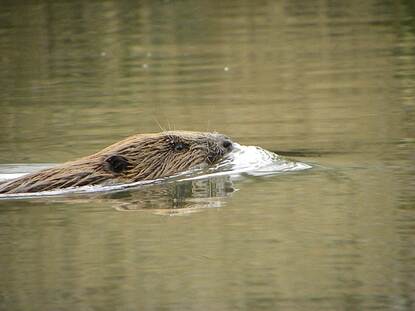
x=139, y=157
x=153, y=156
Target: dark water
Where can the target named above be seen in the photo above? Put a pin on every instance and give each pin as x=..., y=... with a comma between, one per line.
x=330, y=83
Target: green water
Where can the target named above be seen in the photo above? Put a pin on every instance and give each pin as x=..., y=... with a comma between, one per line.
x=330, y=83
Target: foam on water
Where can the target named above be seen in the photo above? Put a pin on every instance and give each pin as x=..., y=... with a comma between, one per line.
x=256, y=161
x=244, y=160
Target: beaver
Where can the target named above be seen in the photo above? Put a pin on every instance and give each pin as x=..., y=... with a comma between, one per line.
x=136, y=158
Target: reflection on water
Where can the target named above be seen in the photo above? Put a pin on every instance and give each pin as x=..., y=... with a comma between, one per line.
x=331, y=83
x=164, y=198
x=179, y=198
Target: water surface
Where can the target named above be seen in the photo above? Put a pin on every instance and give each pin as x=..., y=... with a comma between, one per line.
x=326, y=83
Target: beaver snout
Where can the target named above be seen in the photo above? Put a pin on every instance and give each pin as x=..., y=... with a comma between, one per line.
x=224, y=142
x=227, y=144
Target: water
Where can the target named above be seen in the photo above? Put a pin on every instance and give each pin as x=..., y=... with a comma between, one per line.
x=331, y=84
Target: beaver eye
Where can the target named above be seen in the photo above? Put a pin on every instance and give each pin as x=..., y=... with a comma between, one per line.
x=179, y=146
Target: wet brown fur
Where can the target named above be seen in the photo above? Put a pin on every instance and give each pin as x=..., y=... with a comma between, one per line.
x=139, y=157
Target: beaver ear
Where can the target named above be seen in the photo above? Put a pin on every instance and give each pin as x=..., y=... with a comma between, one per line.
x=116, y=164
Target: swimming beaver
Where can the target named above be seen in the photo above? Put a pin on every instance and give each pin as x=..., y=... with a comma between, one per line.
x=139, y=157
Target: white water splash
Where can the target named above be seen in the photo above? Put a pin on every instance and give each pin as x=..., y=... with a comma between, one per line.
x=244, y=160
x=256, y=161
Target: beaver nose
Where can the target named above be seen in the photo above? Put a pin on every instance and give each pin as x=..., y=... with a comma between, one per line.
x=227, y=144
